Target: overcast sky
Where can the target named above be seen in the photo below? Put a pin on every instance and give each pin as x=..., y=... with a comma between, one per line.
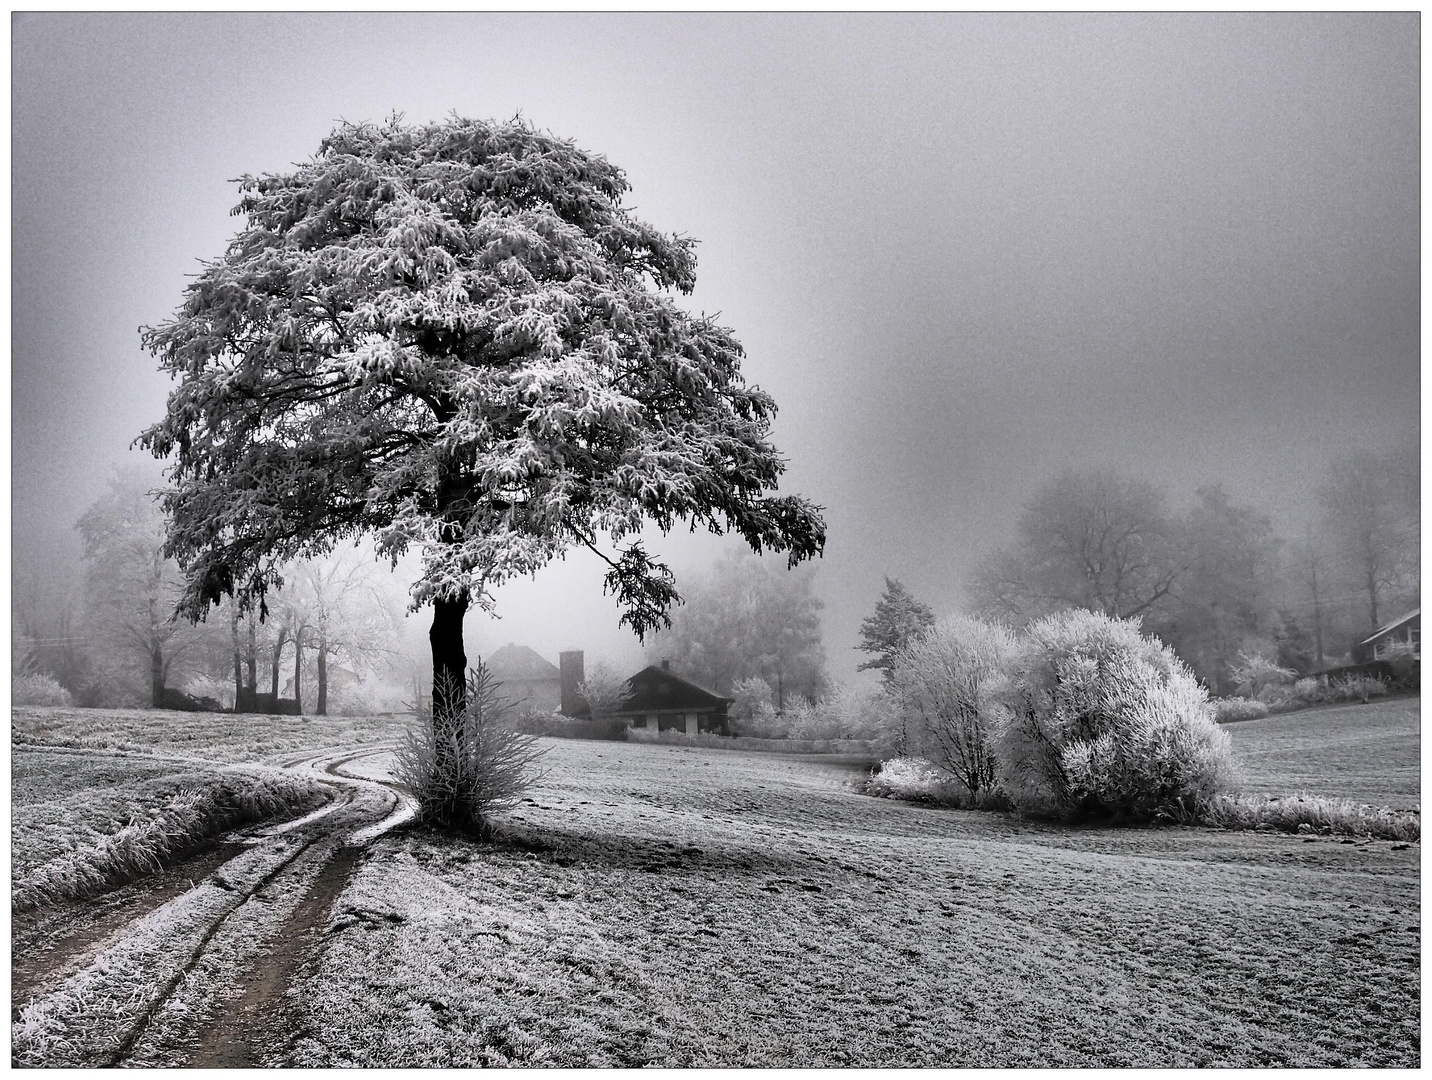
x=963, y=252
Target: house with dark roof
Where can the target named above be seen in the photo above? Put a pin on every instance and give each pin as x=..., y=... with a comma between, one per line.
x=1404, y=630
x=526, y=679
x=659, y=699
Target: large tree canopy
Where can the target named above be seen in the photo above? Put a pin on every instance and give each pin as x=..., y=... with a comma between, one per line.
x=454, y=337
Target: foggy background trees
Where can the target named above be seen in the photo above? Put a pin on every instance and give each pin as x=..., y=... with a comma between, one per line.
x=1214, y=580
x=749, y=618
x=117, y=641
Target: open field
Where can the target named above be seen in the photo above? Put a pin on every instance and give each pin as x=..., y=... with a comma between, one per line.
x=675, y=906
x=1368, y=753
x=214, y=736
x=668, y=905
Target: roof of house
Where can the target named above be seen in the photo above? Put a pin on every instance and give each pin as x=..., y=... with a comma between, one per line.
x=655, y=688
x=1393, y=625
x=518, y=662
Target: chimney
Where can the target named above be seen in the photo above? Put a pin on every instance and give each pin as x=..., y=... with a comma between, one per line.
x=573, y=675
x=666, y=663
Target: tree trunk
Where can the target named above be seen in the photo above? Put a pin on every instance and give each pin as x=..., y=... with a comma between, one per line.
x=1372, y=596
x=298, y=672
x=253, y=658
x=273, y=671
x=322, y=707
x=238, y=659
x=449, y=659
x=156, y=676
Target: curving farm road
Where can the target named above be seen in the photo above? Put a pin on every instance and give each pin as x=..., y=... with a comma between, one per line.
x=190, y=968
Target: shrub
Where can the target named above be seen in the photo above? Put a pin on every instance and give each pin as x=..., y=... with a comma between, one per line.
x=948, y=687
x=37, y=688
x=753, y=709
x=1230, y=709
x=917, y=780
x=1105, y=722
x=1309, y=691
x=852, y=711
x=1406, y=665
x=1312, y=813
x=1357, y=688
x=462, y=765
x=1253, y=672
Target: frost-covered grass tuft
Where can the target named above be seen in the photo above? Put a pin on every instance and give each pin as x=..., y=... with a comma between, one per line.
x=464, y=765
x=1313, y=814
x=101, y=820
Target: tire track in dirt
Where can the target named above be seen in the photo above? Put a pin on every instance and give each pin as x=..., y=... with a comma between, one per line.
x=106, y=1013
x=256, y=1023
x=49, y=943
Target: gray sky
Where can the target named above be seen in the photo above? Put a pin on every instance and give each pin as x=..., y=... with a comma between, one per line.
x=963, y=252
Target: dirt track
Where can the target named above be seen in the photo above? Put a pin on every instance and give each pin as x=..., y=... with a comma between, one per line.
x=165, y=971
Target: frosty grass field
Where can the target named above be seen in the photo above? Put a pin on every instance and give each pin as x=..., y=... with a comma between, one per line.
x=683, y=906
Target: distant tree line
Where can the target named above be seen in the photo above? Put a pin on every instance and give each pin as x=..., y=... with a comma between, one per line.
x=1215, y=581
x=121, y=644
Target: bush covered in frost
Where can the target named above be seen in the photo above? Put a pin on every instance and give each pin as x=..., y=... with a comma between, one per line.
x=917, y=780
x=950, y=688
x=1358, y=688
x=37, y=688
x=1230, y=709
x=464, y=764
x=1105, y=722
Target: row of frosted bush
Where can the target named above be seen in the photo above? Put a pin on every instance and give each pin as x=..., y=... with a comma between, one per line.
x=1080, y=716
x=1301, y=695
x=709, y=741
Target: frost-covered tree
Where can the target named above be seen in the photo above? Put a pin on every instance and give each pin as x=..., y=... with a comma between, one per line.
x=131, y=586
x=1086, y=540
x=346, y=615
x=947, y=686
x=454, y=337
x=898, y=622
x=745, y=618
x=1371, y=507
x=1226, y=599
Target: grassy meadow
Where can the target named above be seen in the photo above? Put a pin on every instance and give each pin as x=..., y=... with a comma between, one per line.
x=685, y=907
x=226, y=737
x=1368, y=753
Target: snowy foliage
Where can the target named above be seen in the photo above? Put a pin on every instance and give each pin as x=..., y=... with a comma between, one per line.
x=456, y=338
x=898, y=622
x=753, y=705
x=1229, y=709
x=603, y=689
x=1252, y=672
x=1107, y=723
x=950, y=686
x=37, y=688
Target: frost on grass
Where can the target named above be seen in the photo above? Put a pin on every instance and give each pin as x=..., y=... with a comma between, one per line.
x=212, y=736
x=84, y=822
x=677, y=906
